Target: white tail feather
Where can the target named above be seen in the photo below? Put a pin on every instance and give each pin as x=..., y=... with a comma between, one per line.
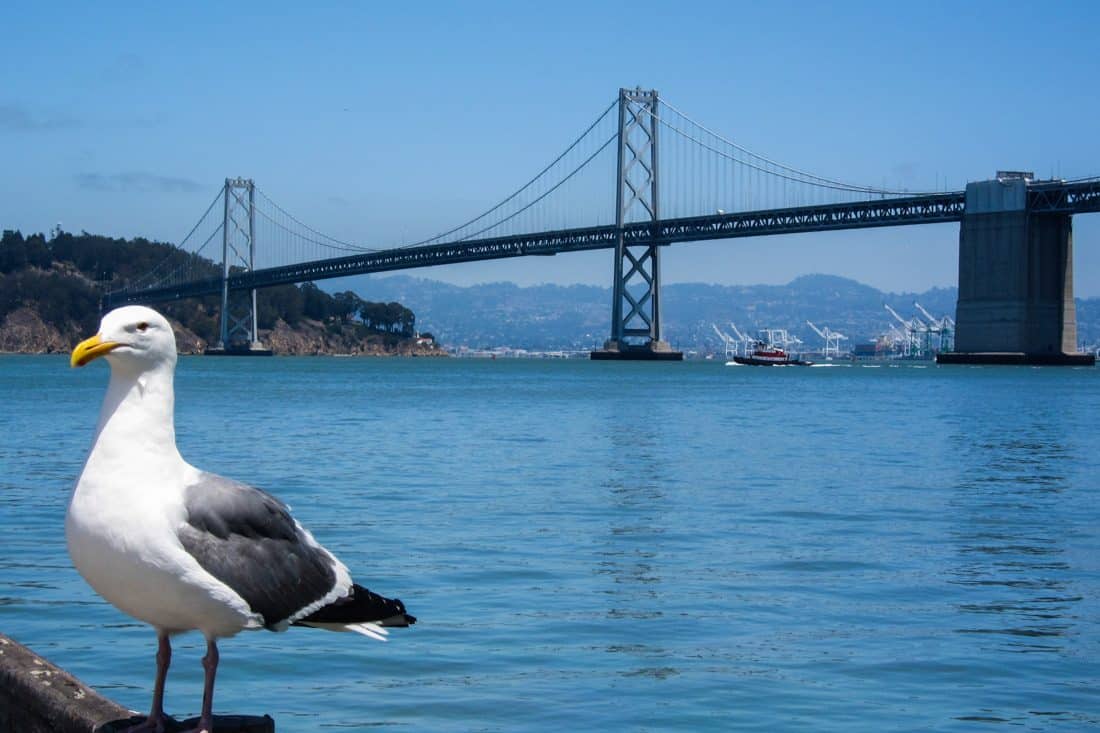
x=374, y=631
x=366, y=628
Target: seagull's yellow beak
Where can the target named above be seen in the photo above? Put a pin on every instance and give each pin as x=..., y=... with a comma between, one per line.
x=92, y=348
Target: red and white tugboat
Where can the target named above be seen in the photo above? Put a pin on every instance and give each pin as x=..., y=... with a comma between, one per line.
x=764, y=354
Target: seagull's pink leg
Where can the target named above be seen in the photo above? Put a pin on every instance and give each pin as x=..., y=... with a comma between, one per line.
x=210, y=664
x=155, y=721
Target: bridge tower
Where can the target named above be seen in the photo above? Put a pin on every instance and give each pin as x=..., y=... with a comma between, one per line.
x=636, y=300
x=1015, y=279
x=238, y=333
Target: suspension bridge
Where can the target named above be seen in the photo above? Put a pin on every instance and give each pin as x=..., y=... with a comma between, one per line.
x=642, y=176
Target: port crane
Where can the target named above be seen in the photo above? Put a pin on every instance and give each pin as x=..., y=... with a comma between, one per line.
x=747, y=342
x=779, y=337
x=832, y=340
x=942, y=328
x=728, y=342
x=898, y=341
x=915, y=335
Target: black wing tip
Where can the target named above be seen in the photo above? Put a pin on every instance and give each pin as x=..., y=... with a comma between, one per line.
x=400, y=620
x=362, y=605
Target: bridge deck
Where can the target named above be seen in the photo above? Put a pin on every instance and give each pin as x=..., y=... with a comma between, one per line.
x=925, y=209
x=1053, y=197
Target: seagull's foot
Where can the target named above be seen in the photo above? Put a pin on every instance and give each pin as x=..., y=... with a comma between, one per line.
x=206, y=725
x=152, y=724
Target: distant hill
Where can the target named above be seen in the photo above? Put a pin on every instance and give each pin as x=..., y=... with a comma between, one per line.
x=550, y=317
x=51, y=291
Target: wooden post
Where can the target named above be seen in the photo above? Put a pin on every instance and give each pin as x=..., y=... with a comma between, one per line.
x=39, y=697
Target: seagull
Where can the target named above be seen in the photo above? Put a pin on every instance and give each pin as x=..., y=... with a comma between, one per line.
x=182, y=549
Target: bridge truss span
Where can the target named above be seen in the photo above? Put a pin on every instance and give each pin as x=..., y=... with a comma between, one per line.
x=925, y=209
x=1065, y=197
x=933, y=208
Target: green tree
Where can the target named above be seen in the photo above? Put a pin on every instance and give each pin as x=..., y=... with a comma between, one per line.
x=371, y=314
x=316, y=304
x=408, y=322
x=282, y=301
x=13, y=251
x=38, y=254
x=345, y=305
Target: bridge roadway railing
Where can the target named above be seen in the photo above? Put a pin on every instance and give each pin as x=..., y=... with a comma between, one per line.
x=1064, y=198
x=923, y=209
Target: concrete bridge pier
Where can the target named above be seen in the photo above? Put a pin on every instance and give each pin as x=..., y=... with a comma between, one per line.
x=1015, y=281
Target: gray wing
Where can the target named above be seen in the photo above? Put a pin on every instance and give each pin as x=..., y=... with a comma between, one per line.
x=247, y=539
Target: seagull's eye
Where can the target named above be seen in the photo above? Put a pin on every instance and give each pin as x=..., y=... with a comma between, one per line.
x=143, y=326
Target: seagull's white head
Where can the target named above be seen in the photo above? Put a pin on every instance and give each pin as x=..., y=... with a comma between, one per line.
x=133, y=337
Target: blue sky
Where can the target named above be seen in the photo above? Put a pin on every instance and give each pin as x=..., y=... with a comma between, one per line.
x=373, y=122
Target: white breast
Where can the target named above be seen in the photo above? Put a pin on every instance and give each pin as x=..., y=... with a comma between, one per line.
x=122, y=539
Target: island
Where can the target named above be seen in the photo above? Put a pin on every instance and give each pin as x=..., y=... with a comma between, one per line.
x=52, y=292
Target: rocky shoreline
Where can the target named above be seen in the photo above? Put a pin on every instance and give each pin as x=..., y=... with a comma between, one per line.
x=23, y=331
x=312, y=338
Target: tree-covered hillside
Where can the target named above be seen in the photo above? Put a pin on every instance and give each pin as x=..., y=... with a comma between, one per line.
x=62, y=280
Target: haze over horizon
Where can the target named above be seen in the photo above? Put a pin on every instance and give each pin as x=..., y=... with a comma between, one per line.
x=360, y=284
x=383, y=125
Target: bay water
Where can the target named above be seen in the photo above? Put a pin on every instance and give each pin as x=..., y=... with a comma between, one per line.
x=615, y=547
